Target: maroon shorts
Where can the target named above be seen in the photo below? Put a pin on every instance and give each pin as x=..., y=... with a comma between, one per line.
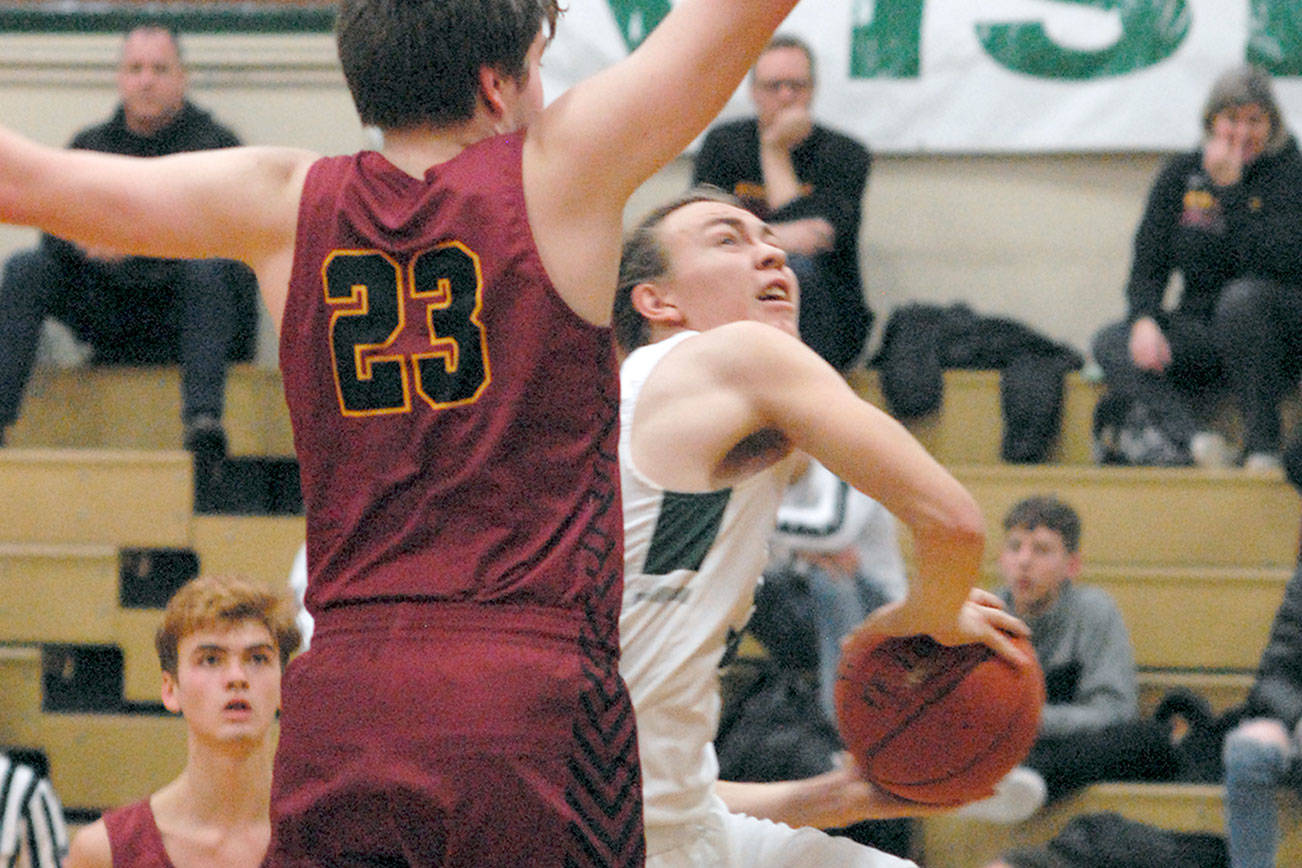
x=455, y=735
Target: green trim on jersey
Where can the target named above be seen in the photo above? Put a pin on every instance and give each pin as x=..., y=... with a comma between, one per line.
x=686, y=527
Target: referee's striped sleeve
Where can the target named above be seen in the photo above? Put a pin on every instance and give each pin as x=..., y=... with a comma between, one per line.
x=31, y=812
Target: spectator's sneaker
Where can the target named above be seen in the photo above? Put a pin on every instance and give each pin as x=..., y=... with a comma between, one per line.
x=1020, y=794
x=205, y=437
x=1262, y=462
x=1209, y=449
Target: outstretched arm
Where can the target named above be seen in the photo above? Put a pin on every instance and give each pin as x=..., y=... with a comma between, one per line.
x=236, y=203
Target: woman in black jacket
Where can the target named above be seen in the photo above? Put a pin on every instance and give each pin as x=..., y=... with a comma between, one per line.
x=1228, y=218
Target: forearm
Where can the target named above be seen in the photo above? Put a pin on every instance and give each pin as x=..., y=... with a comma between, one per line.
x=781, y=186
x=826, y=801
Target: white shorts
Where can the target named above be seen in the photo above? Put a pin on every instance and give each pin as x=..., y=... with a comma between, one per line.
x=738, y=841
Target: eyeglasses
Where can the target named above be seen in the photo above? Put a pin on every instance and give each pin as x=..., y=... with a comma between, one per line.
x=795, y=85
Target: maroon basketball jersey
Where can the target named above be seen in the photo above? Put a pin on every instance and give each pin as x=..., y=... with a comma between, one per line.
x=134, y=839
x=455, y=421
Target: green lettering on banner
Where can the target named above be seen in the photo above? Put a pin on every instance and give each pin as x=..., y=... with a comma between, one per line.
x=637, y=18
x=1151, y=31
x=1275, y=36
x=886, y=37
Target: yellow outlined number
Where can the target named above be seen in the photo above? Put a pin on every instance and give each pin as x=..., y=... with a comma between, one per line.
x=371, y=296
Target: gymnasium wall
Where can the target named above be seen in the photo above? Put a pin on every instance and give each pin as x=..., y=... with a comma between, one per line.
x=1044, y=238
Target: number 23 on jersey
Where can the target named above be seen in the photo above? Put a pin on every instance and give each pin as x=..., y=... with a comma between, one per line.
x=375, y=300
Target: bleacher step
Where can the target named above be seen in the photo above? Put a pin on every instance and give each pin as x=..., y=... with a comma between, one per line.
x=1147, y=516
x=953, y=842
x=109, y=497
x=140, y=408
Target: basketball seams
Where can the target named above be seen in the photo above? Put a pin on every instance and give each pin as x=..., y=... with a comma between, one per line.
x=910, y=704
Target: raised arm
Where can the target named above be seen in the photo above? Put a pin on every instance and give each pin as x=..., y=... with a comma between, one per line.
x=609, y=133
x=237, y=203
x=597, y=142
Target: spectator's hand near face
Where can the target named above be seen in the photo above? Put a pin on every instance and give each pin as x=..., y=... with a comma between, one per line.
x=1149, y=349
x=791, y=125
x=1223, y=155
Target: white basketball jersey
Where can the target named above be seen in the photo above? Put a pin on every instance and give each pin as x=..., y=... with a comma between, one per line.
x=691, y=565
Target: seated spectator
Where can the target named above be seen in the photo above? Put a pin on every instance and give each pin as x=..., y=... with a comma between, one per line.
x=808, y=182
x=844, y=545
x=1261, y=753
x=135, y=310
x=1228, y=217
x=223, y=646
x=30, y=813
x=1089, y=729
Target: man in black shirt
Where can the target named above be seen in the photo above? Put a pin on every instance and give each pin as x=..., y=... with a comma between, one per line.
x=808, y=183
x=135, y=310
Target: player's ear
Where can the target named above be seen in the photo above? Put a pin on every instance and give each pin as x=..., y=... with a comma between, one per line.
x=492, y=85
x=655, y=304
x=169, y=691
x=1074, y=564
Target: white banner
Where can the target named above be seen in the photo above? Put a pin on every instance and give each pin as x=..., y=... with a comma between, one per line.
x=990, y=76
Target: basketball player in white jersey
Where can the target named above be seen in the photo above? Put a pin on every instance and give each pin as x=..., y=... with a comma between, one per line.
x=718, y=394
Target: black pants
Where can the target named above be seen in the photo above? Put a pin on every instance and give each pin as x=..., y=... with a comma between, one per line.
x=1185, y=392
x=834, y=320
x=1138, y=750
x=1259, y=334
x=134, y=312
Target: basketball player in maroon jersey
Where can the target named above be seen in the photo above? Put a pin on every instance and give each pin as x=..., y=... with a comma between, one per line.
x=222, y=646
x=443, y=309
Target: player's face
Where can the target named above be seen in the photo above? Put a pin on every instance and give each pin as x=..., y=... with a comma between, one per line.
x=782, y=79
x=227, y=682
x=724, y=266
x=1035, y=564
x=1249, y=124
x=151, y=80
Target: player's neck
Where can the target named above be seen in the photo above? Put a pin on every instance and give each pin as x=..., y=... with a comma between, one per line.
x=226, y=784
x=660, y=333
x=416, y=149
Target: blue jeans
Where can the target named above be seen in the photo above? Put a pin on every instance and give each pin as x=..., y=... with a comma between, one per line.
x=1254, y=771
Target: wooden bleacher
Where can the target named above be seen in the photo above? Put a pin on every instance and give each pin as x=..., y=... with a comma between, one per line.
x=1196, y=559
x=93, y=467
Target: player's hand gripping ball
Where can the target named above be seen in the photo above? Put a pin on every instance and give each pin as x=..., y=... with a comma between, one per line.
x=934, y=723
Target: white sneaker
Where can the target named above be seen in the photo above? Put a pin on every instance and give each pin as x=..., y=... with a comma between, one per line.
x=1209, y=449
x=1263, y=462
x=1020, y=794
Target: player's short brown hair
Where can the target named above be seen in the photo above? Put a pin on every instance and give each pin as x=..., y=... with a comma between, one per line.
x=224, y=601
x=643, y=259
x=416, y=62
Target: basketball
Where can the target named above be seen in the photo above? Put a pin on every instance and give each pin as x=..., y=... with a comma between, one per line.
x=934, y=723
